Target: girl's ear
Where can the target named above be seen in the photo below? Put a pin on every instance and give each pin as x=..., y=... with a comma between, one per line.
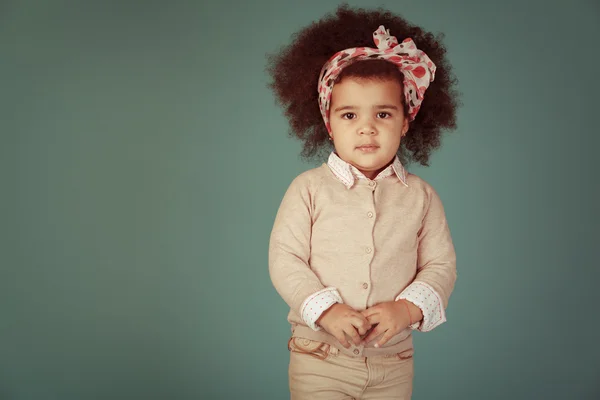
x=405, y=127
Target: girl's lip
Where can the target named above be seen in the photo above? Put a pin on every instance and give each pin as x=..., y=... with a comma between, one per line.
x=367, y=146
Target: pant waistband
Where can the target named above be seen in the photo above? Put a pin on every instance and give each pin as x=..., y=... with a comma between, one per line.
x=397, y=344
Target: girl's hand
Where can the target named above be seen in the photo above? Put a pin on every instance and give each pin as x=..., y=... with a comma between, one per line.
x=341, y=320
x=390, y=318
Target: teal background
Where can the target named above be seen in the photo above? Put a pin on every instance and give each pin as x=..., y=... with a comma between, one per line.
x=142, y=161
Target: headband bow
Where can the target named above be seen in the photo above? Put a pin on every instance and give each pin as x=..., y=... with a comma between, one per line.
x=416, y=67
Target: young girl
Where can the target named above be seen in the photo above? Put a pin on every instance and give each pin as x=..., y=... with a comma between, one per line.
x=360, y=249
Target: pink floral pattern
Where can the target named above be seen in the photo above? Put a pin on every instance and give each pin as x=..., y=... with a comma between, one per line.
x=415, y=65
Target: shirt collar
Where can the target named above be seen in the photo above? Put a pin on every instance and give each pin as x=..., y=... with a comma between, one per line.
x=347, y=173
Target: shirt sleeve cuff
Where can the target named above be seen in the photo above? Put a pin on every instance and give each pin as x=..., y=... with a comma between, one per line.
x=316, y=304
x=429, y=301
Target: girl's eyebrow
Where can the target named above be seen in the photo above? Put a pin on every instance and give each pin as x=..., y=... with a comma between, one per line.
x=342, y=108
x=377, y=107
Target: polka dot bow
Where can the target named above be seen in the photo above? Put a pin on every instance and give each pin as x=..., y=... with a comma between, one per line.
x=415, y=65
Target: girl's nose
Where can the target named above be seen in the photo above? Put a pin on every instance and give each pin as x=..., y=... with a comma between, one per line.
x=367, y=129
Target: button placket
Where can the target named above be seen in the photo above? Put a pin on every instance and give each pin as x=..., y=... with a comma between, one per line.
x=369, y=249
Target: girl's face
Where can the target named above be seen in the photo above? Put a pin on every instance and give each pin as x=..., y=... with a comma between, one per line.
x=367, y=121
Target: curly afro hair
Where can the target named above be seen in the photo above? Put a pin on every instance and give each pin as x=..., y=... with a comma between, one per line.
x=295, y=71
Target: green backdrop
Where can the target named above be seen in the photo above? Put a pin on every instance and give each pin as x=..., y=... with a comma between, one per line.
x=142, y=161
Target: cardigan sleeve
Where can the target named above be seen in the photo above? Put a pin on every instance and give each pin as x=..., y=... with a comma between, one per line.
x=289, y=246
x=436, y=257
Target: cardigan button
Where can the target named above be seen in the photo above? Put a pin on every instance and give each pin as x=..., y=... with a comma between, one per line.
x=365, y=285
x=368, y=250
x=370, y=214
x=356, y=351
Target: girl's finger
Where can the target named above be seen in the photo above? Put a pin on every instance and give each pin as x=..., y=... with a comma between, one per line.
x=341, y=337
x=362, y=324
x=386, y=336
x=362, y=318
x=353, y=333
x=374, y=319
x=374, y=333
x=370, y=311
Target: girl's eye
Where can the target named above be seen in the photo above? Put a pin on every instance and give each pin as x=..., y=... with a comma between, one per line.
x=349, y=116
x=383, y=115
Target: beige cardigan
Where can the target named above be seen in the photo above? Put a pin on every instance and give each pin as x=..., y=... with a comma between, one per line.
x=369, y=241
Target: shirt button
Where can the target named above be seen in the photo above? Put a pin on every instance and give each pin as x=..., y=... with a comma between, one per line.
x=356, y=351
x=368, y=250
x=365, y=285
x=370, y=214
x=371, y=183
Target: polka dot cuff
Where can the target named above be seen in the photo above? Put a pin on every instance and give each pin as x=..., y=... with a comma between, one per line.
x=316, y=304
x=429, y=301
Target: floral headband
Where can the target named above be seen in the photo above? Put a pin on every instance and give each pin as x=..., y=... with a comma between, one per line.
x=415, y=65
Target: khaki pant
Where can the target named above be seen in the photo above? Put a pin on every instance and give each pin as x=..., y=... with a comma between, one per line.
x=320, y=371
